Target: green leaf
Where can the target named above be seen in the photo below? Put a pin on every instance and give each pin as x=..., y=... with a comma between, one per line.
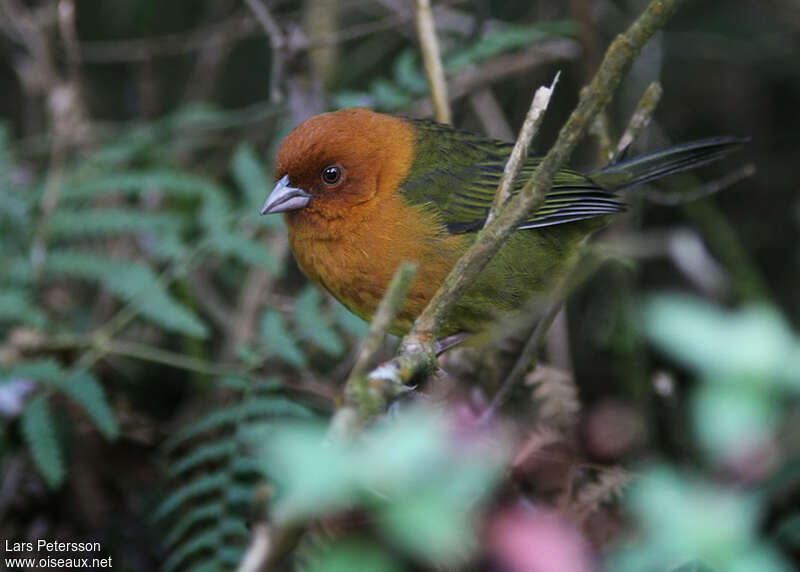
x=683, y=518
x=250, y=177
x=387, y=96
x=39, y=432
x=131, y=281
x=430, y=524
x=351, y=555
x=508, y=38
x=202, y=513
x=246, y=250
x=728, y=419
x=16, y=306
x=349, y=322
x=408, y=74
x=312, y=324
x=207, y=452
x=203, y=485
x=86, y=391
x=752, y=344
x=208, y=540
x=277, y=341
x=107, y=222
x=693, y=566
x=80, y=386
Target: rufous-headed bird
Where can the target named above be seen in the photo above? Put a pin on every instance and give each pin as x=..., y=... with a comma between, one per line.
x=362, y=192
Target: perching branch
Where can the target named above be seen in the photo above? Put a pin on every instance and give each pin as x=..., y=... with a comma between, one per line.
x=432, y=58
x=640, y=118
x=417, y=352
x=533, y=119
x=358, y=393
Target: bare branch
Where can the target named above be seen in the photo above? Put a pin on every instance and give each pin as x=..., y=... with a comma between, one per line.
x=387, y=310
x=277, y=44
x=640, y=118
x=429, y=44
x=533, y=119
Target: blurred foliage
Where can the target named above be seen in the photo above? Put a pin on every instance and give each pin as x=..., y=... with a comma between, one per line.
x=413, y=476
x=747, y=364
x=166, y=373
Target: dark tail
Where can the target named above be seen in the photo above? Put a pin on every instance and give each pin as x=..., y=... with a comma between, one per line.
x=652, y=166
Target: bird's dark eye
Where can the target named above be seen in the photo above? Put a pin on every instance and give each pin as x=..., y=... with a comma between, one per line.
x=331, y=175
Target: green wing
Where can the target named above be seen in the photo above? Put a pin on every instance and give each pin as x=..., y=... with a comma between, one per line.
x=458, y=173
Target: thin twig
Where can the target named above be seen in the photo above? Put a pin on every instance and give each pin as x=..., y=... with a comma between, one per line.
x=387, y=310
x=69, y=35
x=533, y=119
x=431, y=56
x=601, y=131
x=672, y=198
x=497, y=69
x=277, y=44
x=417, y=352
x=524, y=360
x=488, y=111
x=31, y=35
x=580, y=269
x=640, y=118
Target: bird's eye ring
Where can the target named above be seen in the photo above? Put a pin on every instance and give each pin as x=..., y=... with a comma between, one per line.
x=331, y=175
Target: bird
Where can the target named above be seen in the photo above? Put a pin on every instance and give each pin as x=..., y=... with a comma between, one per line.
x=362, y=192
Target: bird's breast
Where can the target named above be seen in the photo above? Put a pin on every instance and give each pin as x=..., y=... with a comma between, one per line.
x=354, y=258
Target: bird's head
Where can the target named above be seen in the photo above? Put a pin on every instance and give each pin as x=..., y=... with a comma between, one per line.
x=335, y=162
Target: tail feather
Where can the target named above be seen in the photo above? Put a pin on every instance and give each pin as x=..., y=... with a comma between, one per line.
x=658, y=164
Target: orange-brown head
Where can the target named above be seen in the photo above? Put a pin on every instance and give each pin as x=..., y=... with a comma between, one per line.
x=335, y=164
x=338, y=176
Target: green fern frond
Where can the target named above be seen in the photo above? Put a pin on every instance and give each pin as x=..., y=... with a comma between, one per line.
x=39, y=432
x=80, y=386
x=215, y=212
x=313, y=325
x=229, y=557
x=106, y=222
x=134, y=283
x=232, y=527
x=210, y=565
x=226, y=416
x=250, y=176
x=202, y=513
x=15, y=270
x=207, y=452
x=245, y=250
x=47, y=370
x=245, y=466
x=202, y=485
x=349, y=322
x=86, y=391
x=257, y=408
x=238, y=494
x=207, y=540
x=276, y=340
x=170, y=182
x=16, y=307
x=214, y=420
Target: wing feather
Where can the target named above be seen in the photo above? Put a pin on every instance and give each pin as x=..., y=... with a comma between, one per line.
x=458, y=173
